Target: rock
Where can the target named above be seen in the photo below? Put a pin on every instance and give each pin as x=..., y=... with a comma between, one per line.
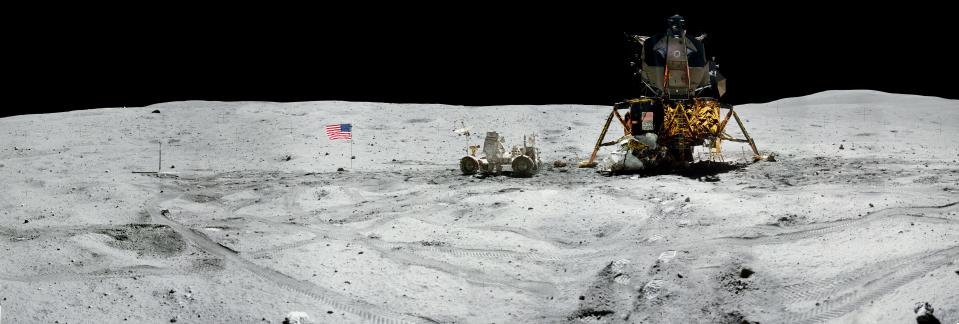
x=746, y=273
x=353, y=157
x=582, y=297
x=687, y=199
x=841, y=147
x=155, y=111
x=172, y=167
x=340, y=169
x=924, y=312
x=297, y=318
x=870, y=205
x=559, y=164
x=26, y=221
x=173, y=320
x=771, y=158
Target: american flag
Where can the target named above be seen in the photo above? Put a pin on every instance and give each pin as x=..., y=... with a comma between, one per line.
x=339, y=131
x=647, y=121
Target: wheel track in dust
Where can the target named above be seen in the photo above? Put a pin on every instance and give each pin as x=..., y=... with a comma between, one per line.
x=864, y=290
x=107, y=273
x=414, y=253
x=403, y=252
x=821, y=289
x=427, y=250
x=368, y=312
x=479, y=277
x=820, y=229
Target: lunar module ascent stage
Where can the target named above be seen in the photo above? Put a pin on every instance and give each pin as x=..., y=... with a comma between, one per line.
x=679, y=108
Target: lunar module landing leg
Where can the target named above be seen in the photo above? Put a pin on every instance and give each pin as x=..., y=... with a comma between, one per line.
x=663, y=133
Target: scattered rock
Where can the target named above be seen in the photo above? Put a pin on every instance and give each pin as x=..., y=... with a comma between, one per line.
x=746, y=273
x=155, y=111
x=591, y=314
x=737, y=317
x=432, y=243
x=297, y=318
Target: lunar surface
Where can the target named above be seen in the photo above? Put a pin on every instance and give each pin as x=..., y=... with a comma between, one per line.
x=249, y=218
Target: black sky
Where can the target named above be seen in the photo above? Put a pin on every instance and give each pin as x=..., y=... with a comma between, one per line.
x=472, y=55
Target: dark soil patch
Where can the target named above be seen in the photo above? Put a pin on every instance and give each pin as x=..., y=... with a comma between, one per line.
x=591, y=313
x=146, y=239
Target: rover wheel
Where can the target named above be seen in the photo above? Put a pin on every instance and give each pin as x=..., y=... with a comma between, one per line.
x=523, y=166
x=469, y=165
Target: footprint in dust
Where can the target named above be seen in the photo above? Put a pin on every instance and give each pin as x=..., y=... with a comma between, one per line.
x=667, y=256
x=618, y=270
x=652, y=289
x=653, y=239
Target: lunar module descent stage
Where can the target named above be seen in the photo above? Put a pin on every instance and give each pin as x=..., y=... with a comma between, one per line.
x=679, y=108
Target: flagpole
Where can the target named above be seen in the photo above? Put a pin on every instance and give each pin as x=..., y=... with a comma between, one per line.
x=351, y=146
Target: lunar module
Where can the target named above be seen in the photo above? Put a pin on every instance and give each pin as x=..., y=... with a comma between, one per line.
x=679, y=108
